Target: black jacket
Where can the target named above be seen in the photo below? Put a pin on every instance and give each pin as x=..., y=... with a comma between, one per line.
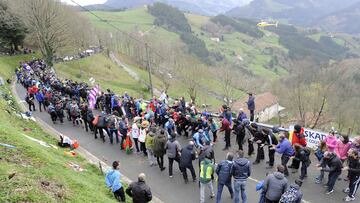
x=334, y=163
x=303, y=156
x=354, y=167
x=187, y=156
x=206, y=150
x=139, y=192
x=271, y=139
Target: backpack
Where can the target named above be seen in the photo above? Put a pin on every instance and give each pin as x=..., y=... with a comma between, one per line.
x=290, y=196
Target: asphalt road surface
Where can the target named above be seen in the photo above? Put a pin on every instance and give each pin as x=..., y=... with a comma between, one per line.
x=175, y=190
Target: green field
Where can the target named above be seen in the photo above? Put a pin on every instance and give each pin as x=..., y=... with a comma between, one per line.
x=106, y=73
x=33, y=173
x=140, y=21
x=136, y=20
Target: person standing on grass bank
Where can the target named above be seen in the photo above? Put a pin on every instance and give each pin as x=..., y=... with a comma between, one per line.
x=251, y=106
x=139, y=191
x=112, y=181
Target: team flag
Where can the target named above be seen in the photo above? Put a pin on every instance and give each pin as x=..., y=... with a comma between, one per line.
x=92, y=96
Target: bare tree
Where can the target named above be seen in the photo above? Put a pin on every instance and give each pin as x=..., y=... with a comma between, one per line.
x=51, y=23
x=189, y=70
x=227, y=78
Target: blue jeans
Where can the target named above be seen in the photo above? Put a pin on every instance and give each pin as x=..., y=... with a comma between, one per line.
x=240, y=185
x=220, y=189
x=111, y=132
x=333, y=176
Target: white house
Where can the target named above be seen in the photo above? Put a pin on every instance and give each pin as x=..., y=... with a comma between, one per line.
x=266, y=106
x=215, y=39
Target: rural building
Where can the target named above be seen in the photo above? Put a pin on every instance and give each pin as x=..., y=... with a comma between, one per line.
x=266, y=106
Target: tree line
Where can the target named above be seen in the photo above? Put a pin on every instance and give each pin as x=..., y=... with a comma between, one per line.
x=174, y=20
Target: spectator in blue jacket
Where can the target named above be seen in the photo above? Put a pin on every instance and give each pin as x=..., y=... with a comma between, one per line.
x=285, y=149
x=242, y=115
x=41, y=99
x=112, y=181
x=200, y=138
x=251, y=105
x=170, y=127
x=223, y=171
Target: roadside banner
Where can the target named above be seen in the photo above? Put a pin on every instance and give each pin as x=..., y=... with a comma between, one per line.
x=313, y=137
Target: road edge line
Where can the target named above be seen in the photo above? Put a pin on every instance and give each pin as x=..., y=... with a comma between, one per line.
x=82, y=151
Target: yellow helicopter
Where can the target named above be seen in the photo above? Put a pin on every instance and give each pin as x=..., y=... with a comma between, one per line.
x=264, y=24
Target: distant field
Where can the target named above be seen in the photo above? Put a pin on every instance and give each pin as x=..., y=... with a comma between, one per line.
x=134, y=20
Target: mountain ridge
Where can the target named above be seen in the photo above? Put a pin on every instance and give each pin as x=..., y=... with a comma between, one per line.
x=209, y=7
x=298, y=12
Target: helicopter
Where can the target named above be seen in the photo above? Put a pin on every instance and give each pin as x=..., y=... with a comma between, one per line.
x=264, y=24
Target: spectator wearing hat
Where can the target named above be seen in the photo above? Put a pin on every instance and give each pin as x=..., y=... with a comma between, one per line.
x=297, y=138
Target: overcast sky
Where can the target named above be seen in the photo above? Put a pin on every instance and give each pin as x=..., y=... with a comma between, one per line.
x=85, y=2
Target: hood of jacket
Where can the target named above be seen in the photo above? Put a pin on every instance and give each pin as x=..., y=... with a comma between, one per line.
x=279, y=175
x=295, y=186
x=241, y=161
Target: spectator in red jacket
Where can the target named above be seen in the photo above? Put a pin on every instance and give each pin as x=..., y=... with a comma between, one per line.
x=297, y=138
x=225, y=126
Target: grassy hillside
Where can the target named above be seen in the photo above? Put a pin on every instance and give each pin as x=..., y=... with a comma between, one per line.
x=106, y=73
x=33, y=173
x=235, y=44
x=136, y=20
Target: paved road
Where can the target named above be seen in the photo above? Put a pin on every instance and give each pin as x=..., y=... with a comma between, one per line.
x=174, y=190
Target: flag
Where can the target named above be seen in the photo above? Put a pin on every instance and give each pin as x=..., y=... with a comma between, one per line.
x=92, y=96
